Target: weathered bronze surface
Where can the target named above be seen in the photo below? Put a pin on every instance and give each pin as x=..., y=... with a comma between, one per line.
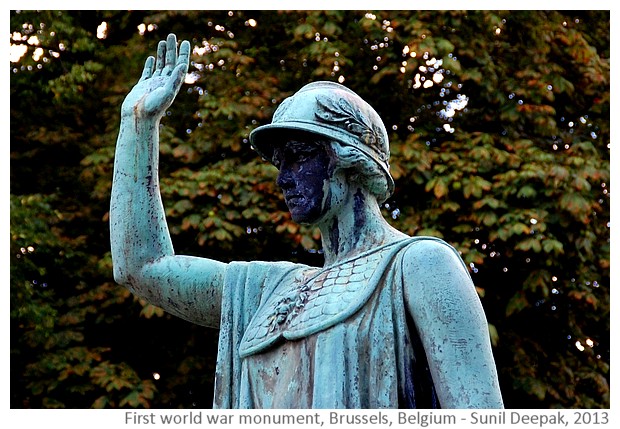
x=389, y=321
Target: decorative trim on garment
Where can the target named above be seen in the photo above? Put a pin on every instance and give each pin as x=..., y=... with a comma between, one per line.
x=317, y=299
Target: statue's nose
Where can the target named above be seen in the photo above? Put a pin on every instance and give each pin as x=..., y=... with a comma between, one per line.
x=285, y=177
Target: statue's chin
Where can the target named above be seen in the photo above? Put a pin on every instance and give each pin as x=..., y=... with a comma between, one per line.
x=304, y=217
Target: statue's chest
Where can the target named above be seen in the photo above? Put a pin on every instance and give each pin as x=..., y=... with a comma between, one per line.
x=312, y=300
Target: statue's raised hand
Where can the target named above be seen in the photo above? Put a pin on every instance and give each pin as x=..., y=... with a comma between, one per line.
x=160, y=82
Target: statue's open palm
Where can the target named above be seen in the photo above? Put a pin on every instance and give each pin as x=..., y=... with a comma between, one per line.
x=160, y=81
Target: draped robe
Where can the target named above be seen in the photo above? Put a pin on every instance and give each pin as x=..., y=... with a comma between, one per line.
x=294, y=336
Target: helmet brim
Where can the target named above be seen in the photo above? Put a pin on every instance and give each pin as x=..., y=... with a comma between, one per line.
x=266, y=138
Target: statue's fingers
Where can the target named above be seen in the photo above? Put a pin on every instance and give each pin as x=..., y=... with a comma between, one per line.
x=161, y=53
x=171, y=54
x=147, y=72
x=184, y=53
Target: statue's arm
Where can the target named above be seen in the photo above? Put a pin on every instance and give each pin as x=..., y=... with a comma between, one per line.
x=142, y=252
x=450, y=320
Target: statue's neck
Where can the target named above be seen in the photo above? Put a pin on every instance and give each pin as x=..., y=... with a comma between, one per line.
x=358, y=226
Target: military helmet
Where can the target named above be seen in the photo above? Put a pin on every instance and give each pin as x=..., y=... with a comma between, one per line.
x=330, y=110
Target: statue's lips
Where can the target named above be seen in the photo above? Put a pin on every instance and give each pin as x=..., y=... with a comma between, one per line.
x=293, y=200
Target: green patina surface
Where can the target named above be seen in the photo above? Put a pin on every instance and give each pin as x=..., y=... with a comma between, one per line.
x=388, y=321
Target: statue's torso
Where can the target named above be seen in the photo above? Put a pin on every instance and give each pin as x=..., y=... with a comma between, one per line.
x=330, y=338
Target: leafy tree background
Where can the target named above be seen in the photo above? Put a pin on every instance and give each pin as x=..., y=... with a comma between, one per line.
x=500, y=134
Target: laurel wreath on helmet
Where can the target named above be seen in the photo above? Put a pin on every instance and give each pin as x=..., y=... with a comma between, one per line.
x=342, y=114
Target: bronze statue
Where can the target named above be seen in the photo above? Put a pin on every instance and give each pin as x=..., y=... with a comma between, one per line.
x=389, y=320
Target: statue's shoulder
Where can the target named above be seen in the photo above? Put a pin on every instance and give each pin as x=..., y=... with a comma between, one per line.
x=431, y=266
x=428, y=247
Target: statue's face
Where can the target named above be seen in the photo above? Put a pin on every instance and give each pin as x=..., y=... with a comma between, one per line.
x=303, y=177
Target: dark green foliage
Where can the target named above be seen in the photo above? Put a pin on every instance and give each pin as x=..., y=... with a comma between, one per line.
x=500, y=129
